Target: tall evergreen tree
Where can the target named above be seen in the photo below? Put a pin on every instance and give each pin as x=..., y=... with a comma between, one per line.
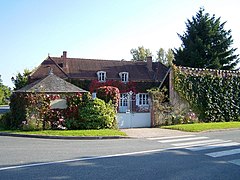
x=206, y=44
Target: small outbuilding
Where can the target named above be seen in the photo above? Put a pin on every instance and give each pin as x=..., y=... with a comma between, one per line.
x=45, y=103
x=51, y=84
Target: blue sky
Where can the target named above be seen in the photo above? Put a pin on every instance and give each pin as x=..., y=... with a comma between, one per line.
x=100, y=29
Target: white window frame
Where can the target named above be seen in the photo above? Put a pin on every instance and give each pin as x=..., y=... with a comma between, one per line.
x=142, y=99
x=123, y=99
x=101, y=76
x=124, y=76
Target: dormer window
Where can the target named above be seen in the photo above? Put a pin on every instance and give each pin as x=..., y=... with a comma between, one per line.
x=124, y=76
x=101, y=76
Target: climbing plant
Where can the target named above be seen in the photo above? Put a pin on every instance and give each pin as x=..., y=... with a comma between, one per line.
x=214, y=97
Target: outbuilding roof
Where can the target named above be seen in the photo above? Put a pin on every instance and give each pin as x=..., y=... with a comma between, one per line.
x=51, y=84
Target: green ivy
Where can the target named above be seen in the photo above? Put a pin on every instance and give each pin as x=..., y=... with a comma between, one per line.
x=214, y=98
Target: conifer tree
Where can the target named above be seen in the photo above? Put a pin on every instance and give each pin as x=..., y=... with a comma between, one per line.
x=206, y=44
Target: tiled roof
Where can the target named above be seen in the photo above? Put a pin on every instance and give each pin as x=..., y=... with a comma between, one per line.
x=86, y=69
x=47, y=65
x=51, y=84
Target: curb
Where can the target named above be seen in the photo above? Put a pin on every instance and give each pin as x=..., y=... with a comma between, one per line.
x=63, y=137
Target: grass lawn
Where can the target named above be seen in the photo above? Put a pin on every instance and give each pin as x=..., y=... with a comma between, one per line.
x=198, y=127
x=102, y=132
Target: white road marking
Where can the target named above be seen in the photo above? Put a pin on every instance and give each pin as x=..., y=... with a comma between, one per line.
x=198, y=143
x=183, y=139
x=224, y=153
x=84, y=159
x=212, y=146
x=235, y=161
x=169, y=137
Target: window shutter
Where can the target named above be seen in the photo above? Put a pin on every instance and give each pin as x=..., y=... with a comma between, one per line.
x=137, y=99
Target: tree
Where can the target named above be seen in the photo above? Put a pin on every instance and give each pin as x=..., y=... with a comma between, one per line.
x=4, y=93
x=206, y=44
x=161, y=56
x=164, y=57
x=170, y=56
x=140, y=54
x=21, y=80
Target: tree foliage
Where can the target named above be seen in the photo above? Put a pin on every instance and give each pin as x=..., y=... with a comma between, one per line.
x=140, y=54
x=164, y=57
x=206, y=44
x=4, y=93
x=21, y=80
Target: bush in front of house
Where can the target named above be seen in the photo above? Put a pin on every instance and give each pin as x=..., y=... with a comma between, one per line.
x=109, y=93
x=33, y=112
x=96, y=114
x=18, y=103
x=6, y=121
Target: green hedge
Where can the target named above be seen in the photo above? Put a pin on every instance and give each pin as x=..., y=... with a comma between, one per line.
x=214, y=98
x=96, y=114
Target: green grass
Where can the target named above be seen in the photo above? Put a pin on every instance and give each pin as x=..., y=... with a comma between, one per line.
x=198, y=127
x=102, y=132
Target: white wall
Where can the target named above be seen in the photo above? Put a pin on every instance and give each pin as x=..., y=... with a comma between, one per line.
x=133, y=120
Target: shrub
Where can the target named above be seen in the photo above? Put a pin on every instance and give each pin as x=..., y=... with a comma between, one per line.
x=6, y=121
x=32, y=125
x=109, y=93
x=95, y=115
x=18, y=104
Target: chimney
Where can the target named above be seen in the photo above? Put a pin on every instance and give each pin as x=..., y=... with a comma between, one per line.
x=65, y=63
x=64, y=54
x=149, y=63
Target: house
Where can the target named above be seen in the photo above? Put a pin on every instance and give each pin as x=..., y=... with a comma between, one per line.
x=132, y=78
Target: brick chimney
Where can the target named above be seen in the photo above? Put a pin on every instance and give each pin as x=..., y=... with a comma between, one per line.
x=65, y=63
x=149, y=63
x=64, y=56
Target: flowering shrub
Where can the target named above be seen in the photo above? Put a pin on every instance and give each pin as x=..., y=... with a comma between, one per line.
x=109, y=93
x=35, y=113
x=73, y=103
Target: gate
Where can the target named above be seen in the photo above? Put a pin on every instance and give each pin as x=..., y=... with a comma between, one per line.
x=126, y=118
x=134, y=120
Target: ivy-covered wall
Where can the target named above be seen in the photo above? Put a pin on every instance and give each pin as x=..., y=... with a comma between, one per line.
x=213, y=94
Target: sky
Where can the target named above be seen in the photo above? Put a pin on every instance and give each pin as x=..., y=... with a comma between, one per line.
x=97, y=29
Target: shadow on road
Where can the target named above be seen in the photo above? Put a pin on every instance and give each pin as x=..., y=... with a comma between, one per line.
x=169, y=164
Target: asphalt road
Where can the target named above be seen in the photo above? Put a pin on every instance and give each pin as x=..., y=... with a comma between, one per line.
x=150, y=158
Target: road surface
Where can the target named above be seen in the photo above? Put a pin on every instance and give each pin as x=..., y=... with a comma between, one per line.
x=212, y=155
